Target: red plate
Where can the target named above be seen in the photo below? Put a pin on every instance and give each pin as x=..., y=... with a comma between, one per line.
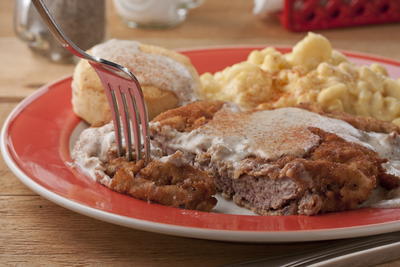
x=35, y=145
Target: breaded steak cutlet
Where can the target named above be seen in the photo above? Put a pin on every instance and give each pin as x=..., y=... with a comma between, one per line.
x=284, y=161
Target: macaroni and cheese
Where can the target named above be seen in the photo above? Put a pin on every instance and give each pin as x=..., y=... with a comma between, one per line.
x=313, y=72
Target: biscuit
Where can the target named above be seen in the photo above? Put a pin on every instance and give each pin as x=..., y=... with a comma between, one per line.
x=168, y=79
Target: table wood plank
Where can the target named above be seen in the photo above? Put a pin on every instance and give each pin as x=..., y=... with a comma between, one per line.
x=6, y=18
x=29, y=236
x=35, y=231
x=22, y=72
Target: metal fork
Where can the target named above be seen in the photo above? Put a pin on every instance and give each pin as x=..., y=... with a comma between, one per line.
x=122, y=89
x=364, y=251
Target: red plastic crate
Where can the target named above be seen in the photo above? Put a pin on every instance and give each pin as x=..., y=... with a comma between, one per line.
x=305, y=15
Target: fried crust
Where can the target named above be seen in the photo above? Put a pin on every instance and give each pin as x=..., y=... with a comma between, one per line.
x=189, y=117
x=367, y=124
x=344, y=173
x=164, y=183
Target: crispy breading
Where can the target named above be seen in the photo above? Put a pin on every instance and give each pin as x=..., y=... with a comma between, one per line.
x=344, y=173
x=163, y=182
x=189, y=117
x=367, y=124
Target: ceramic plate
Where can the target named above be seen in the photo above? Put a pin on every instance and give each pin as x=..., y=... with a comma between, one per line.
x=36, y=140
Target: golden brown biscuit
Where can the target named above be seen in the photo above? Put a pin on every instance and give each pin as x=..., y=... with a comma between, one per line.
x=168, y=79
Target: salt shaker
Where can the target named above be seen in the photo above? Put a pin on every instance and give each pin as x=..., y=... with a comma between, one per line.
x=83, y=21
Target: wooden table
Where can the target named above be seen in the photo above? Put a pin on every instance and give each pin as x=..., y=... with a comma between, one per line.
x=36, y=231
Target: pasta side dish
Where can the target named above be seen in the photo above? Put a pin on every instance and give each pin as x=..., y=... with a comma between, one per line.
x=312, y=73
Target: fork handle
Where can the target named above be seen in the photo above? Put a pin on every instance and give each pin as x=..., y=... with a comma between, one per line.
x=56, y=30
x=353, y=252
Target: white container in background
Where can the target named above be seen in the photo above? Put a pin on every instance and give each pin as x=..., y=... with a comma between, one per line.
x=264, y=8
x=154, y=13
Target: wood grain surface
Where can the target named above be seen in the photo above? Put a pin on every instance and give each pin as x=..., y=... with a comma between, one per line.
x=34, y=231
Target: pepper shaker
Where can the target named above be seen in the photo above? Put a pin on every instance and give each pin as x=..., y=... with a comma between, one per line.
x=82, y=21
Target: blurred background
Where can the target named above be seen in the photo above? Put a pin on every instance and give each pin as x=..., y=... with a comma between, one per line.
x=212, y=23
x=218, y=22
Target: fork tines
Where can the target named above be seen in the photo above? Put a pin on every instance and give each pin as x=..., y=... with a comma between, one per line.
x=127, y=105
